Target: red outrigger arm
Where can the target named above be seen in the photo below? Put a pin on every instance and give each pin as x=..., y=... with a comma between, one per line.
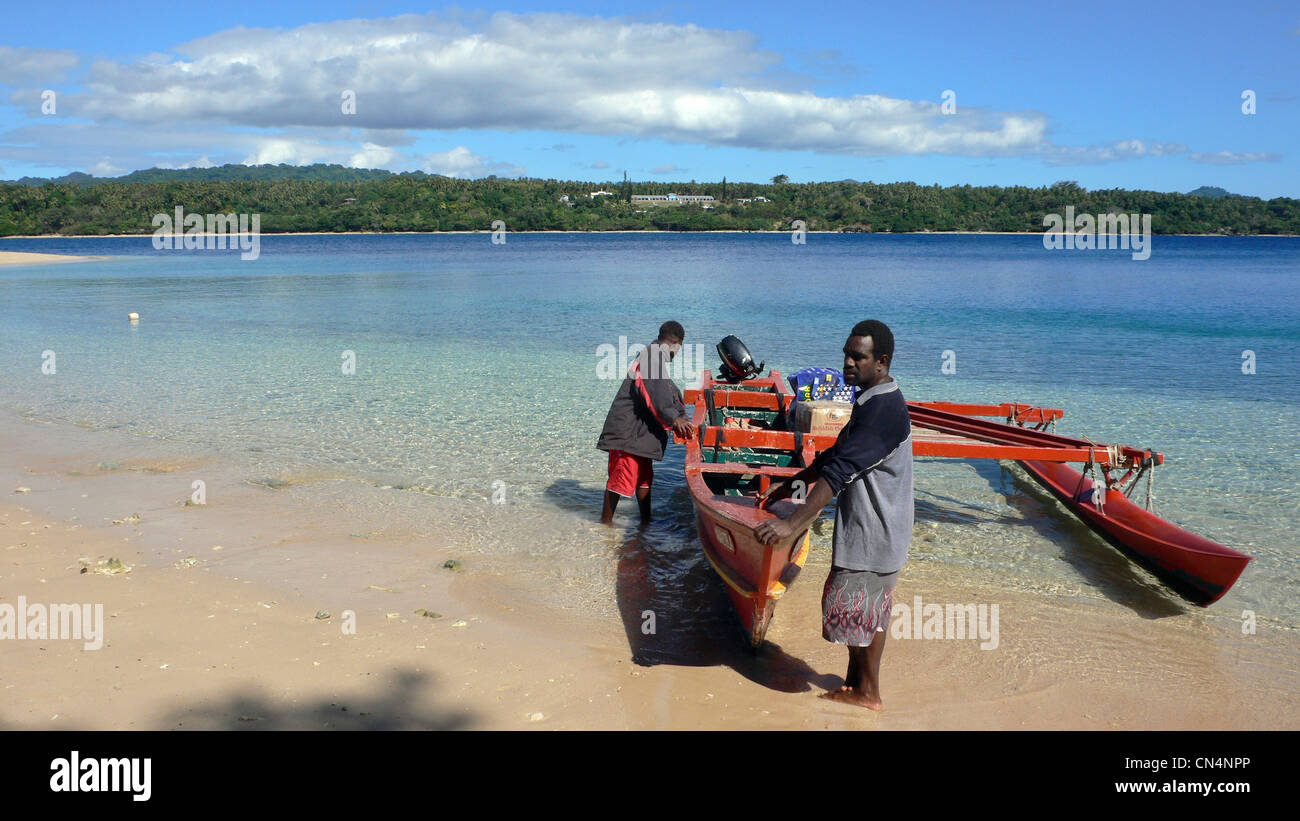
x=948, y=431
x=1196, y=567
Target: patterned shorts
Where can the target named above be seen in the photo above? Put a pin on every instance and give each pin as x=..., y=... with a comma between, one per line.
x=856, y=604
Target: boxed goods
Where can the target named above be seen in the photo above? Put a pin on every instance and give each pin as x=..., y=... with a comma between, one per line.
x=822, y=417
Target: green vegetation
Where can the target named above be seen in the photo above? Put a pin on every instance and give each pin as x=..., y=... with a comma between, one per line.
x=336, y=199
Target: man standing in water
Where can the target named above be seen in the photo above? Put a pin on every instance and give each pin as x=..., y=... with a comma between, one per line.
x=647, y=405
x=869, y=472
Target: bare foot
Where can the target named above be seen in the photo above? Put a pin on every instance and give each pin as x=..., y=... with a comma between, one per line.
x=847, y=695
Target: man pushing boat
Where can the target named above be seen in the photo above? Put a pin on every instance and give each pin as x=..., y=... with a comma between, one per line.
x=648, y=405
x=869, y=473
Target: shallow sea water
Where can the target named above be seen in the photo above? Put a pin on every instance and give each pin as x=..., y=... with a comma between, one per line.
x=478, y=377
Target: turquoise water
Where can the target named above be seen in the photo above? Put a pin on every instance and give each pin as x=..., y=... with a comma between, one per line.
x=477, y=363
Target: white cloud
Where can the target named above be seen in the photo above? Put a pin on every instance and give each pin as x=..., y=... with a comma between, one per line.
x=60, y=145
x=269, y=96
x=198, y=162
x=463, y=163
x=1119, y=150
x=667, y=168
x=555, y=72
x=373, y=155
x=291, y=151
x=1233, y=158
x=41, y=66
x=105, y=168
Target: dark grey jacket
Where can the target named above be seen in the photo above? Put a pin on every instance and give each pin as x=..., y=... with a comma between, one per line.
x=644, y=408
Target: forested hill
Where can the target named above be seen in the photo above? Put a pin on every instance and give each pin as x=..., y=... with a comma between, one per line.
x=334, y=198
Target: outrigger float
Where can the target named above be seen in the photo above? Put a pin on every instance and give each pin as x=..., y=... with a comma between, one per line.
x=742, y=444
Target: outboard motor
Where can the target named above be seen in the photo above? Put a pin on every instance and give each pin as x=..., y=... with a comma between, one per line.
x=737, y=364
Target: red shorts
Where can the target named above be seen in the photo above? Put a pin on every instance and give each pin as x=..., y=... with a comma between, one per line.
x=627, y=472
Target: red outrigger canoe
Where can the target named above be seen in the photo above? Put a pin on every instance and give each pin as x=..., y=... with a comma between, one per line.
x=742, y=444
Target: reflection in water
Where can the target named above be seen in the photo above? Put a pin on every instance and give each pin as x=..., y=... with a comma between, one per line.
x=694, y=623
x=674, y=608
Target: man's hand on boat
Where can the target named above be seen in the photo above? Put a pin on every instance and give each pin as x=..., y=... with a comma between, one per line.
x=775, y=492
x=799, y=519
x=774, y=530
x=683, y=428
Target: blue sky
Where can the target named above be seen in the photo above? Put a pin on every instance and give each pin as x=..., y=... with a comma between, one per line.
x=1129, y=95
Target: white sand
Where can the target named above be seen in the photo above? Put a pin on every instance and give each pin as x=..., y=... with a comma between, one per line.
x=27, y=258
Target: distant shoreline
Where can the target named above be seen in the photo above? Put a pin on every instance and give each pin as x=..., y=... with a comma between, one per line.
x=621, y=231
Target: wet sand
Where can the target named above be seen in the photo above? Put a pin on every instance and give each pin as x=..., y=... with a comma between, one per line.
x=200, y=637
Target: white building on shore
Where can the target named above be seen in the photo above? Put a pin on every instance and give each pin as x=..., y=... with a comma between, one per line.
x=674, y=199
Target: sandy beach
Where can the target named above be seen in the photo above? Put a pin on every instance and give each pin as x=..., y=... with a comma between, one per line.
x=28, y=258
x=235, y=614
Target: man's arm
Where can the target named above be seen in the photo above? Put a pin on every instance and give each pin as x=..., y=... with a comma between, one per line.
x=860, y=447
x=863, y=444
x=830, y=471
x=665, y=402
x=786, y=488
x=775, y=530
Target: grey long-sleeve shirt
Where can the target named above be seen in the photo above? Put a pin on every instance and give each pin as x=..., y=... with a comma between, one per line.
x=870, y=471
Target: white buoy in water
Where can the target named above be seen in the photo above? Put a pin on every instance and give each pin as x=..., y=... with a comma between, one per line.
x=133, y=316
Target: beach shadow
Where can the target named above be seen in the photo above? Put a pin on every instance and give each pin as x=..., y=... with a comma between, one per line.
x=675, y=611
x=674, y=608
x=930, y=511
x=571, y=495
x=1099, y=563
x=397, y=708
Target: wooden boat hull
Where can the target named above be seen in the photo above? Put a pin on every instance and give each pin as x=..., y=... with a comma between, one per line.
x=756, y=575
x=727, y=464
x=1199, y=569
